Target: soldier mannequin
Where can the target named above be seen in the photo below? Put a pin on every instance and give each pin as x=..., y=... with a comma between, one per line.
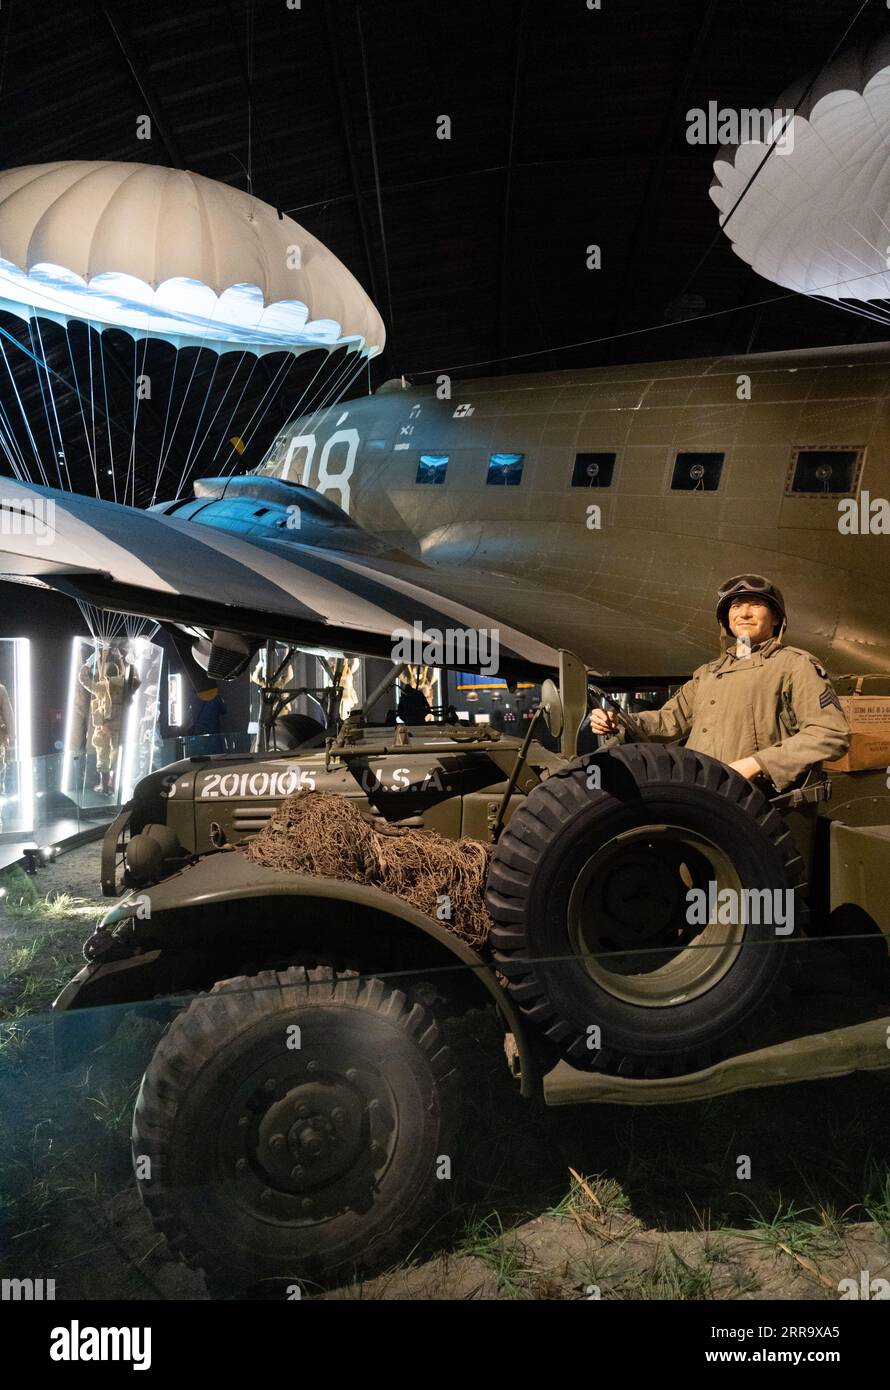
x=7, y=736
x=766, y=710
x=111, y=689
x=7, y=724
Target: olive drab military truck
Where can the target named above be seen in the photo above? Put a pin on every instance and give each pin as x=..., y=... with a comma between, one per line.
x=260, y=1160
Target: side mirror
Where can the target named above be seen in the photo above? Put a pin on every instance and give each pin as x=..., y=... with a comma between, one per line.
x=551, y=703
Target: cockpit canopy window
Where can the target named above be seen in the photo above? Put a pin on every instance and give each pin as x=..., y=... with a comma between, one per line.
x=431, y=468
x=825, y=471
x=593, y=470
x=505, y=469
x=697, y=472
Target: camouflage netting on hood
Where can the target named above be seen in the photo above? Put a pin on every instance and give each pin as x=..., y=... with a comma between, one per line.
x=317, y=833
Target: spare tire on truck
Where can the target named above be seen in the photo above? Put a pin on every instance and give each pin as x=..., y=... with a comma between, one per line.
x=595, y=928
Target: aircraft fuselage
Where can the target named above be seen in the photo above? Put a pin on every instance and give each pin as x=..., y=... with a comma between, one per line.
x=700, y=470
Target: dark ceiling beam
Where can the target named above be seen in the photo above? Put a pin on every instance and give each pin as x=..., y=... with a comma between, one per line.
x=658, y=165
x=130, y=56
x=501, y=323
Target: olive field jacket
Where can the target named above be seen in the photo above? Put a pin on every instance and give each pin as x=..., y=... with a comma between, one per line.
x=776, y=705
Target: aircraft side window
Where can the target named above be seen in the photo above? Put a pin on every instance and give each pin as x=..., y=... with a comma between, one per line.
x=593, y=470
x=431, y=468
x=828, y=470
x=505, y=469
x=697, y=472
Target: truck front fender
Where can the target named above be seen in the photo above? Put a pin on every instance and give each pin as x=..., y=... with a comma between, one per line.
x=131, y=930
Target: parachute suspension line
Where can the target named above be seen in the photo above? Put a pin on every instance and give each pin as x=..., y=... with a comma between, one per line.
x=137, y=401
x=261, y=409
x=103, y=626
x=186, y=467
x=322, y=394
x=57, y=446
x=216, y=412
x=875, y=315
x=52, y=395
x=162, y=462
x=170, y=391
x=112, y=468
x=140, y=627
x=188, y=386
x=335, y=397
x=163, y=458
x=83, y=421
x=303, y=396
x=21, y=471
x=334, y=385
x=337, y=390
x=10, y=449
x=249, y=378
x=90, y=616
x=42, y=364
x=10, y=459
x=93, y=404
x=21, y=406
x=301, y=404
x=341, y=379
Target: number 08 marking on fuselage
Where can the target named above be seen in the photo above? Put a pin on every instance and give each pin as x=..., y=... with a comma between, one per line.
x=258, y=783
x=326, y=481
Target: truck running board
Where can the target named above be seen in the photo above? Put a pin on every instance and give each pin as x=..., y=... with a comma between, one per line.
x=858, y=1047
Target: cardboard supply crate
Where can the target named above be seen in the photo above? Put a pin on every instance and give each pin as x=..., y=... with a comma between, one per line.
x=866, y=703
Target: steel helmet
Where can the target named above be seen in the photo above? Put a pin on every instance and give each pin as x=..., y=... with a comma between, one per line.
x=752, y=586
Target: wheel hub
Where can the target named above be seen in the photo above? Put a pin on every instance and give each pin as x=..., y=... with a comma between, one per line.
x=305, y=1141
x=311, y=1135
x=637, y=901
x=627, y=916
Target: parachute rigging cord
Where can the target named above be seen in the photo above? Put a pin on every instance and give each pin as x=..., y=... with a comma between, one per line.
x=129, y=367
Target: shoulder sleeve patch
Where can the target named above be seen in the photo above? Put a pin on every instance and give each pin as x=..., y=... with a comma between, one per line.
x=820, y=670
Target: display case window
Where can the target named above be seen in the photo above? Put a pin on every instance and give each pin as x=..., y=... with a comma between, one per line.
x=16, y=766
x=111, y=734
x=301, y=679
x=175, y=711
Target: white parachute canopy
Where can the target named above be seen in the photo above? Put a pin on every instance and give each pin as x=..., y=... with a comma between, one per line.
x=153, y=318
x=171, y=254
x=816, y=219
x=205, y=281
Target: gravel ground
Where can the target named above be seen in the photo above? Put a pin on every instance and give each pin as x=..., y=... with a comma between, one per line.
x=76, y=872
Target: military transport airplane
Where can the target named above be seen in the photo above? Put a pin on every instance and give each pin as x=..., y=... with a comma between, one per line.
x=596, y=509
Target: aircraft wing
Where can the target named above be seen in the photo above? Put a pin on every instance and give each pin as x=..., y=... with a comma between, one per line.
x=163, y=567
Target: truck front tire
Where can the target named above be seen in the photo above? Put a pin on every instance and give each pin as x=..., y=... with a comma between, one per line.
x=289, y=1126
